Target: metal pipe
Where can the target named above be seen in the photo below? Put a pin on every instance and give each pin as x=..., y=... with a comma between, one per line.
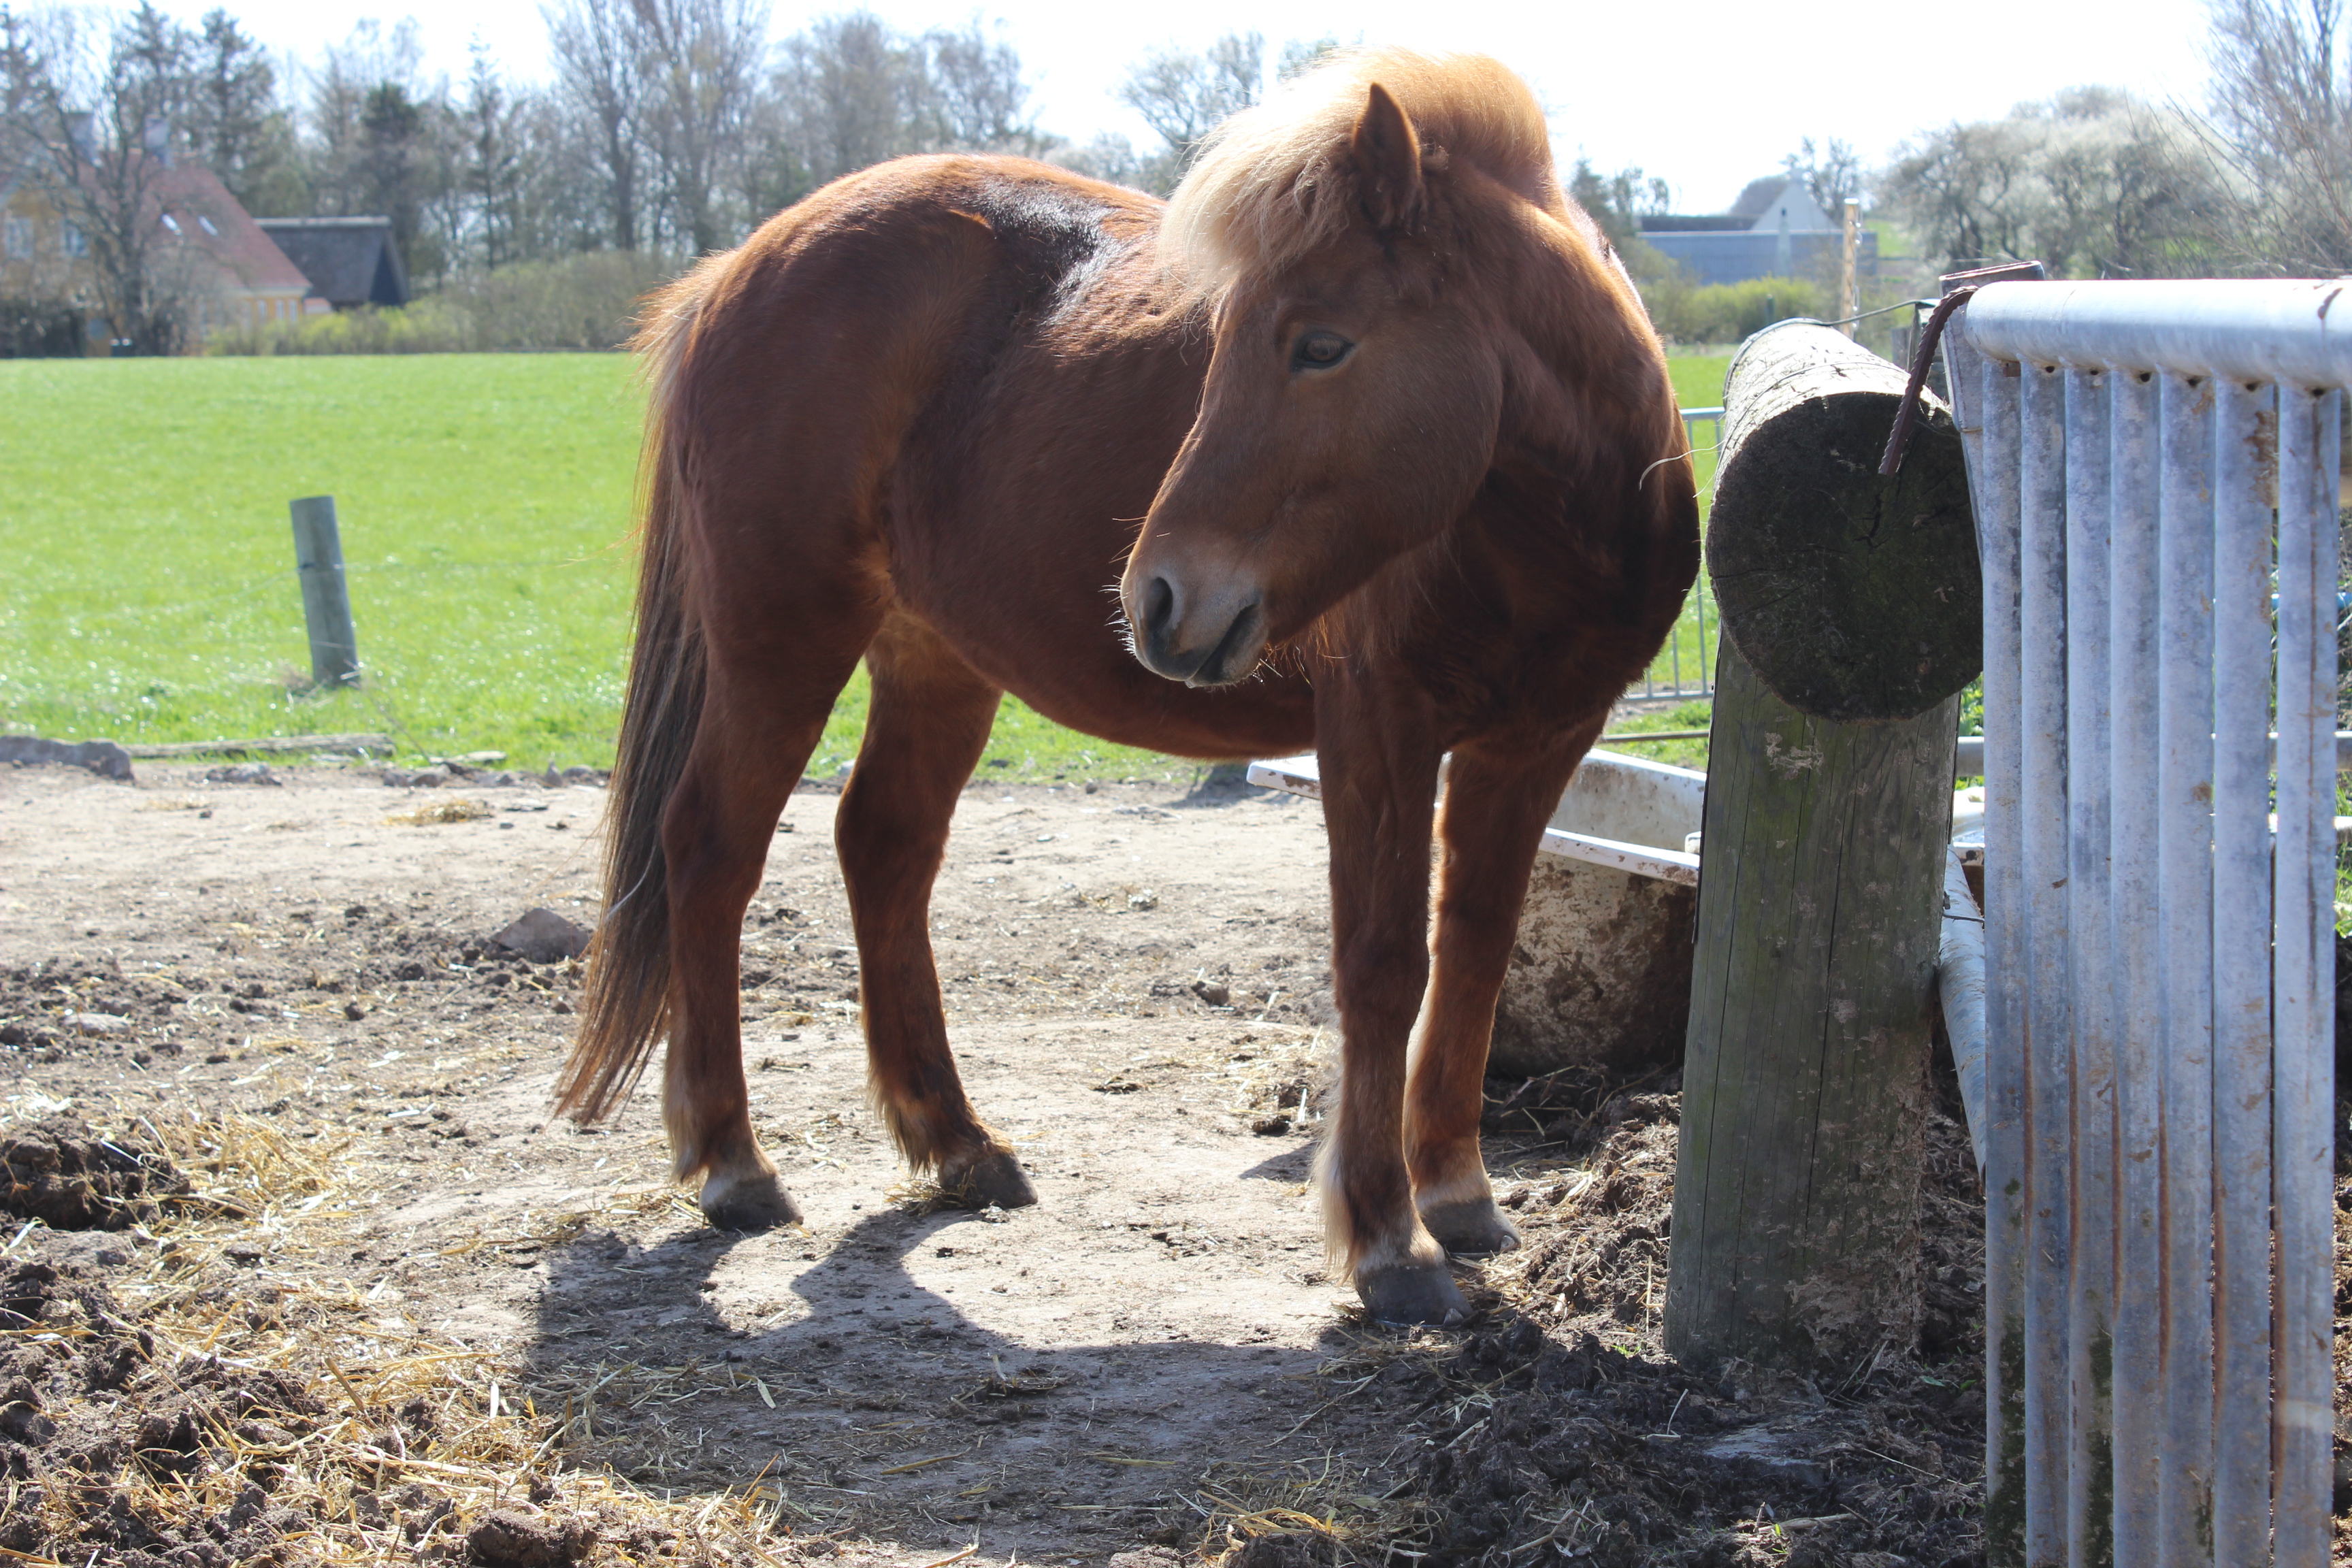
x=2245, y=330
x=2138, y=1021
x=2091, y=1220
x=1967, y=758
x=2041, y=630
x=2303, y=981
x=1987, y=392
x=2184, y=906
x=2245, y=476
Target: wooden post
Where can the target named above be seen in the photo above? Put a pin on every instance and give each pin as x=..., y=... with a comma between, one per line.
x=1851, y=597
x=1813, y=990
x=326, y=601
x=1849, y=292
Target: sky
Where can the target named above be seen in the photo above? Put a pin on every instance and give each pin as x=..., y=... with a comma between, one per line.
x=1707, y=94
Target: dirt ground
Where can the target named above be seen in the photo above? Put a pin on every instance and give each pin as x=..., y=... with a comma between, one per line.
x=360, y=1297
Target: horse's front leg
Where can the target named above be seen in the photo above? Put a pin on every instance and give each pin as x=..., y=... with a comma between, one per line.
x=1378, y=755
x=1498, y=799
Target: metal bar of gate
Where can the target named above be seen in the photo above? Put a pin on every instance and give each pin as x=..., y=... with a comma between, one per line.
x=2243, y=448
x=2185, y=906
x=2090, y=1329
x=1986, y=392
x=2159, y=1240
x=2304, y=984
x=2135, y=644
x=2046, y=1056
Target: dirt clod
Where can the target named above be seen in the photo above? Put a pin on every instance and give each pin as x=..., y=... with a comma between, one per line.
x=510, y=1538
x=62, y=1175
x=543, y=936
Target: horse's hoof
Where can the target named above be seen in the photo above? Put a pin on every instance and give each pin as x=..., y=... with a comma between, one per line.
x=754, y=1202
x=1470, y=1227
x=1409, y=1294
x=993, y=1180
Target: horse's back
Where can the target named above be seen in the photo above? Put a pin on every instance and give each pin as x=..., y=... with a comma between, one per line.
x=986, y=348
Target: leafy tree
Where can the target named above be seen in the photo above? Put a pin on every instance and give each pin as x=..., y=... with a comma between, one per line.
x=235, y=125
x=495, y=148
x=1618, y=201
x=2092, y=182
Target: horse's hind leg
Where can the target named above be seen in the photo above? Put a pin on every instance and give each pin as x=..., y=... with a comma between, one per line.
x=763, y=712
x=1496, y=803
x=929, y=720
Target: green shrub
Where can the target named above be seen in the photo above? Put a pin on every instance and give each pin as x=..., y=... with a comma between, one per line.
x=1727, y=312
x=584, y=301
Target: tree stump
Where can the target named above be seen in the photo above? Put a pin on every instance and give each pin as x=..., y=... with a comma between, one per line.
x=1820, y=904
x=1851, y=597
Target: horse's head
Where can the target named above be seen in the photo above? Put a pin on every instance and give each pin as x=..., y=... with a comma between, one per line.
x=1357, y=373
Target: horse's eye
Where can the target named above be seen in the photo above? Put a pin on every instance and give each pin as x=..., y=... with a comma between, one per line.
x=1319, y=351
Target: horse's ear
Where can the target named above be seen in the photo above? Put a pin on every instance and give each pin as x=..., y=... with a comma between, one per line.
x=1388, y=161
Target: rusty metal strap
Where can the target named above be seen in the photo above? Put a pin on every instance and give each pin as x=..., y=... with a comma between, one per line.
x=1922, y=357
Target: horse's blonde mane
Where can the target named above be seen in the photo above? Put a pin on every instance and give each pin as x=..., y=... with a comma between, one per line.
x=1273, y=182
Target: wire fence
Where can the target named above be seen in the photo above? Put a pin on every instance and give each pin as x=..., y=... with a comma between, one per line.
x=1684, y=667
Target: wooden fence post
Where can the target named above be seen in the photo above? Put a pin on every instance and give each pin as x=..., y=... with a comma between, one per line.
x=1849, y=288
x=326, y=600
x=1804, y=1083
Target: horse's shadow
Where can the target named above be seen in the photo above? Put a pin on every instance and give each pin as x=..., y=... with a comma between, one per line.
x=878, y=1399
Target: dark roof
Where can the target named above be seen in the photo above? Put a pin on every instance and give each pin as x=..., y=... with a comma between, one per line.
x=1688, y=223
x=1759, y=196
x=349, y=260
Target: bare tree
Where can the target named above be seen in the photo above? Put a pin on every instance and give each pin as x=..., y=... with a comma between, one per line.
x=600, y=74
x=977, y=99
x=1832, y=175
x=1183, y=96
x=849, y=91
x=702, y=57
x=106, y=169
x=852, y=92
x=1110, y=157
x=1305, y=53
x=2284, y=125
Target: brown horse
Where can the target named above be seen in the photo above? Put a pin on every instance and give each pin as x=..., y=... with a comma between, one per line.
x=1378, y=427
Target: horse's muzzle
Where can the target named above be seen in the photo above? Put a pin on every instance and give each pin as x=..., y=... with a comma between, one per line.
x=1210, y=645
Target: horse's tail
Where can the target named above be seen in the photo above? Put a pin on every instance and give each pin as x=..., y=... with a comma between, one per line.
x=626, y=1008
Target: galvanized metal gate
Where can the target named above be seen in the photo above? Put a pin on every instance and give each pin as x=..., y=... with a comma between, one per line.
x=2151, y=462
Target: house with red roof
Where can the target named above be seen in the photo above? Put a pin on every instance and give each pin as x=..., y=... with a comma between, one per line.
x=207, y=247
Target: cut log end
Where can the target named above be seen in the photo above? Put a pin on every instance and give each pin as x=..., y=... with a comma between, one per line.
x=1851, y=596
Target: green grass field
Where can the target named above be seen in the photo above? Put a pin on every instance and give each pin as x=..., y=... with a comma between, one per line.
x=484, y=507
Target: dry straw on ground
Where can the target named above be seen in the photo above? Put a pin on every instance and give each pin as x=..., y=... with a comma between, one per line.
x=441, y=812
x=339, y=1429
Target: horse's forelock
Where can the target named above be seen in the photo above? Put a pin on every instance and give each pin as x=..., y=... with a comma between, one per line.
x=1276, y=181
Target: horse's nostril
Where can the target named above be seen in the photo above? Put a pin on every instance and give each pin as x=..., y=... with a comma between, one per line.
x=1159, y=607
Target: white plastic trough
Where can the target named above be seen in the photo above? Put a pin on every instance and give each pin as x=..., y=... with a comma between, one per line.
x=1600, y=972
x=1626, y=813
